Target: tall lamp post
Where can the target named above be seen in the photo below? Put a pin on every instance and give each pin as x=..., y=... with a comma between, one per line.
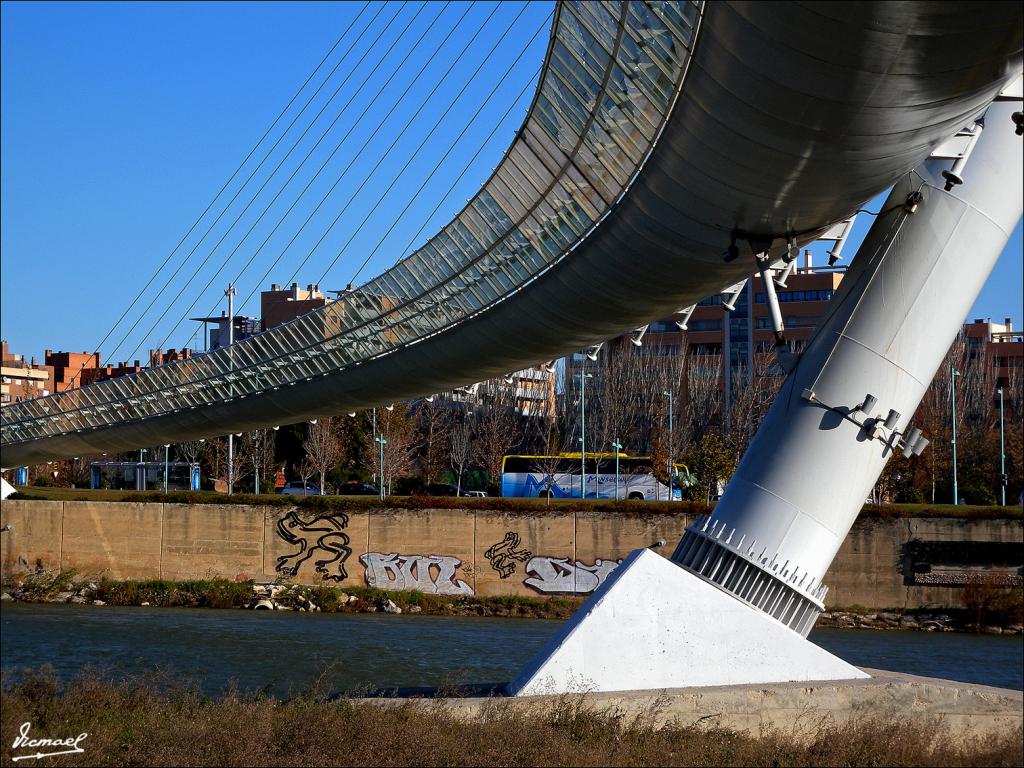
x=952, y=383
x=382, y=442
x=583, y=432
x=373, y=416
x=141, y=475
x=167, y=450
x=1002, y=453
x=255, y=457
x=230, y=293
x=671, y=458
x=618, y=447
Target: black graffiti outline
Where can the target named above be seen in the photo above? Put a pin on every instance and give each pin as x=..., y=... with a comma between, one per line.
x=506, y=550
x=326, y=541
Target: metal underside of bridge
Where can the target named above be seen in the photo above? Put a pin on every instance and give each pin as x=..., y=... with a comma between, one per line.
x=659, y=132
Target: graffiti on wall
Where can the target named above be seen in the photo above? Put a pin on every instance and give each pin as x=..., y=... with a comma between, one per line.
x=560, y=574
x=504, y=555
x=319, y=534
x=434, y=574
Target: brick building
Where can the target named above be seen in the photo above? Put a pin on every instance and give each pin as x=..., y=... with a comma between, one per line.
x=92, y=375
x=1002, y=347
x=68, y=367
x=159, y=357
x=279, y=305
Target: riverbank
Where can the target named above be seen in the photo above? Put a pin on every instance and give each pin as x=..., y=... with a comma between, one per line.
x=158, y=723
x=67, y=587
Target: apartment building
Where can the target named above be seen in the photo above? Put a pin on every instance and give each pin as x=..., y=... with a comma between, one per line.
x=1001, y=345
x=530, y=392
x=20, y=380
x=738, y=341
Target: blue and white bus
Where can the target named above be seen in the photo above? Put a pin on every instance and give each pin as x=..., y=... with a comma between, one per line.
x=558, y=477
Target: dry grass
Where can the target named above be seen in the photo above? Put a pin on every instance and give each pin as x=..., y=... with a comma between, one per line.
x=154, y=723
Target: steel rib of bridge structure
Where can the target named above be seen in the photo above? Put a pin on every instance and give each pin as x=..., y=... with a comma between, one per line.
x=660, y=132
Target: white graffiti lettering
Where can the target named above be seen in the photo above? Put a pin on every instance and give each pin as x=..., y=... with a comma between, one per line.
x=434, y=574
x=560, y=574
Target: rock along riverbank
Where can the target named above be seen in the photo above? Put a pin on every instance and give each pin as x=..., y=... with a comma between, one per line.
x=49, y=587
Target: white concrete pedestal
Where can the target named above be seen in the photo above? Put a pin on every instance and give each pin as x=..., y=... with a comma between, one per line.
x=653, y=625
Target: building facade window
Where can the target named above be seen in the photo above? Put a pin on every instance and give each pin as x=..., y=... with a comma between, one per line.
x=787, y=296
x=705, y=325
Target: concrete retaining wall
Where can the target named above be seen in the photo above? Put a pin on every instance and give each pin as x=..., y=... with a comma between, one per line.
x=457, y=551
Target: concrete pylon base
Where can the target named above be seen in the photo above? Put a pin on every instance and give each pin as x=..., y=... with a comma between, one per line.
x=6, y=489
x=654, y=625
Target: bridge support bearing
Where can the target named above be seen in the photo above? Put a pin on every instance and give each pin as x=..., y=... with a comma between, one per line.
x=837, y=419
x=653, y=624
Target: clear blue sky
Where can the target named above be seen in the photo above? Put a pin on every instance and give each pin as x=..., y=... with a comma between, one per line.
x=121, y=121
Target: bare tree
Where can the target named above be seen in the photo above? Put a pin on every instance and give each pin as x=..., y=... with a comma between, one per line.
x=306, y=470
x=189, y=451
x=322, y=446
x=460, y=447
x=398, y=428
x=550, y=462
x=241, y=465
x=934, y=415
x=432, y=423
x=704, y=396
x=1013, y=404
x=261, y=454
x=216, y=454
x=753, y=392
x=497, y=427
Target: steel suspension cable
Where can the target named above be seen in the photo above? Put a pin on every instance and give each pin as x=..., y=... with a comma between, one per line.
x=279, y=192
x=226, y=184
x=323, y=165
x=263, y=186
x=465, y=169
x=380, y=124
x=440, y=162
x=391, y=147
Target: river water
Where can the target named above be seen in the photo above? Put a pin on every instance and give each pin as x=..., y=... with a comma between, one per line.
x=283, y=653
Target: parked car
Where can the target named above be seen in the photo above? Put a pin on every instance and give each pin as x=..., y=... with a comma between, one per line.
x=478, y=494
x=300, y=488
x=355, y=488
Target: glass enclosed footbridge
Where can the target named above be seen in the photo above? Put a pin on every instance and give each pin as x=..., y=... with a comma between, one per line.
x=661, y=133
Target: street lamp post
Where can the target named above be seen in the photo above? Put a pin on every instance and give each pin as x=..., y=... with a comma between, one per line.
x=255, y=462
x=671, y=458
x=583, y=432
x=618, y=447
x=142, y=471
x=230, y=293
x=382, y=442
x=952, y=383
x=167, y=449
x=373, y=416
x=1002, y=453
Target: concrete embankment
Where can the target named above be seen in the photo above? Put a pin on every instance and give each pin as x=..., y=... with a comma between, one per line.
x=888, y=562
x=961, y=709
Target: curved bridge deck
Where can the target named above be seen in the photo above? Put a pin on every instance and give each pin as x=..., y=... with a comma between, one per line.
x=659, y=131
